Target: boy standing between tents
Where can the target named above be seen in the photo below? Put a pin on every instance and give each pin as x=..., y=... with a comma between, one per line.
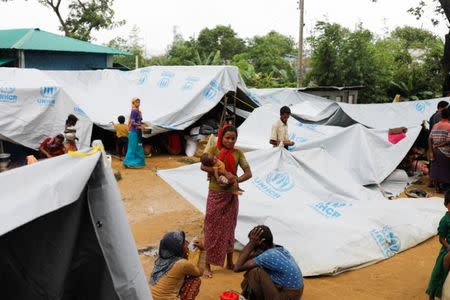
x=280, y=135
x=122, y=136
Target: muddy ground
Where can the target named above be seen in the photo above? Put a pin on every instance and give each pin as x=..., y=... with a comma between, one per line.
x=154, y=208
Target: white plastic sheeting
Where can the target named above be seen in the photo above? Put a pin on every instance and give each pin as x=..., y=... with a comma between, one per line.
x=391, y=115
x=366, y=153
x=172, y=97
x=327, y=112
x=33, y=191
x=33, y=106
x=303, y=105
x=314, y=206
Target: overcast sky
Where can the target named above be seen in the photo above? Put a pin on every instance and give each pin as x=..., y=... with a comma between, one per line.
x=156, y=19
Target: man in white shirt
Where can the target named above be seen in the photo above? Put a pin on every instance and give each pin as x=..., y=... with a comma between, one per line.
x=280, y=136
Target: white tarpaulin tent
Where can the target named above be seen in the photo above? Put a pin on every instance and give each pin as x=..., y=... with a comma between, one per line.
x=317, y=210
x=68, y=235
x=327, y=112
x=33, y=106
x=313, y=196
x=303, y=105
x=391, y=115
x=172, y=97
x=366, y=153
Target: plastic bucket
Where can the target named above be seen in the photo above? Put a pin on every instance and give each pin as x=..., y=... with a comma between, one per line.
x=229, y=296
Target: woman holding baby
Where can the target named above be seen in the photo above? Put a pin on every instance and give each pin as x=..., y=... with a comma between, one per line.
x=222, y=204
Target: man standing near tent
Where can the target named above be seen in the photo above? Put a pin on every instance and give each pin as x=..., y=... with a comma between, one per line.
x=436, y=117
x=280, y=135
x=272, y=272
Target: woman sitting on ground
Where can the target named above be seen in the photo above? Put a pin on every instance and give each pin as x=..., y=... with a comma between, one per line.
x=173, y=276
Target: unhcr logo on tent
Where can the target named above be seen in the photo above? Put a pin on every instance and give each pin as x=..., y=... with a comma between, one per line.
x=297, y=139
x=189, y=83
x=77, y=110
x=274, y=183
x=330, y=209
x=212, y=90
x=387, y=240
x=308, y=126
x=280, y=180
x=420, y=106
x=8, y=95
x=48, y=96
x=143, y=76
x=164, y=82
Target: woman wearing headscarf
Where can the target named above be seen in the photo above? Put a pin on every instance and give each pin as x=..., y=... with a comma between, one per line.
x=440, y=148
x=222, y=204
x=173, y=276
x=135, y=157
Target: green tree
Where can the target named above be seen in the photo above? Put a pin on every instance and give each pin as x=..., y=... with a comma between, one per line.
x=202, y=60
x=266, y=52
x=181, y=51
x=286, y=77
x=441, y=9
x=326, y=62
x=221, y=38
x=344, y=58
x=406, y=62
x=83, y=16
x=246, y=69
x=417, y=63
x=158, y=60
x=133, y=45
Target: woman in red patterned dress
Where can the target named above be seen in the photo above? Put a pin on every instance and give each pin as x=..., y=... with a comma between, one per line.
x=222, y=204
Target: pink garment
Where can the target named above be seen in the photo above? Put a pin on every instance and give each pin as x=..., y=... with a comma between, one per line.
x=394, y=138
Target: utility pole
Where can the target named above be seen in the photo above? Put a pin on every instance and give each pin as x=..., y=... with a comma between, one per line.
x=301, y=6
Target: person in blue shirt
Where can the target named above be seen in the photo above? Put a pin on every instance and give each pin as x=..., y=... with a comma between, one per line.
x=271, y=271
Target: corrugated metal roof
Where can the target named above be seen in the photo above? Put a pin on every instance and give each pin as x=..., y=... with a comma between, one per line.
x=36, y=39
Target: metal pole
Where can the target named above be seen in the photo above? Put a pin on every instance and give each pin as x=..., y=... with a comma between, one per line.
x=301, y=6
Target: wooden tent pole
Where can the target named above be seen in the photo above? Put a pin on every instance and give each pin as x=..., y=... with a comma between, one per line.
x=224, y=111
x=234, y=108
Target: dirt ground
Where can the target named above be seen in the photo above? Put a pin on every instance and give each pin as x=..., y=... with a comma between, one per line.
x=154, y=208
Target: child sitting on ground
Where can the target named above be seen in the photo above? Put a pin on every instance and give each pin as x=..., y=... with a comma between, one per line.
x=220, y=173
